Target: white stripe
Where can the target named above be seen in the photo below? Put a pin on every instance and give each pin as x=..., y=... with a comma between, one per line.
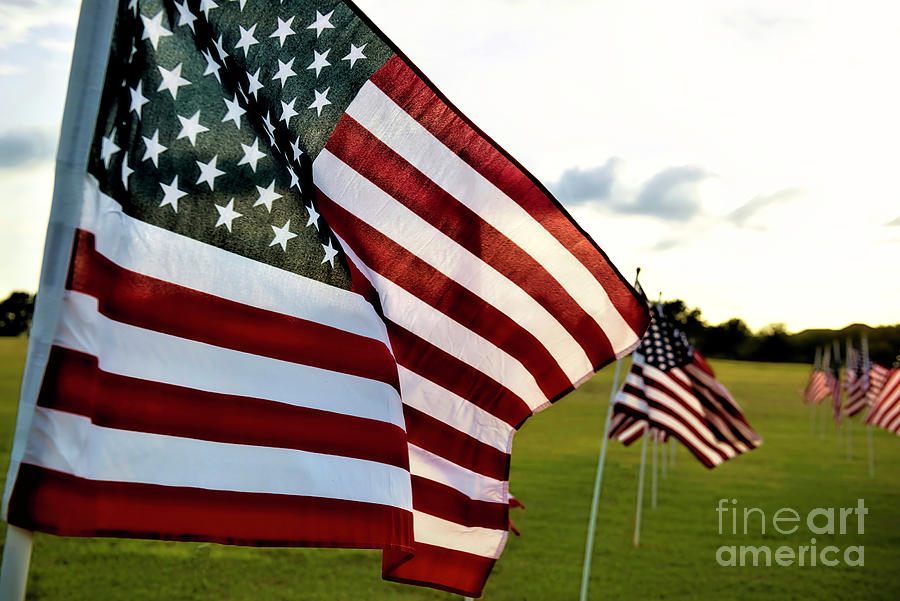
x=72, y=444
x=405, y=136
x=431, y=325
x=454, y=411
x=475, y=486
x=374, y=206
x=139, y=353
x=432, y=530
x=159, y=253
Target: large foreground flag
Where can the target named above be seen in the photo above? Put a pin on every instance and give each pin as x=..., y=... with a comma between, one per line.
x=885, y=411
x=307, y=301
x=672, y=388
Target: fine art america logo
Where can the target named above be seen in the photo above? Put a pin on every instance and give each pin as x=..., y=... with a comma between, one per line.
x=786, y=520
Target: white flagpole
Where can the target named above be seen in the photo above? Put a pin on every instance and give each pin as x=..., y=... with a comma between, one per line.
x=640, y=491
x=674, y=444
x=598, y=481
x=812, y=407
x=664, y=456
x=86, y=76
x=653, y=477
x=826, y=360
x=866, y=366
x=848, y=420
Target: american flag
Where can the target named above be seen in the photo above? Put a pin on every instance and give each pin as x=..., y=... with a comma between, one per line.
x=856, y=382
x=833, y=383
x=885, y=411
x=816, y=388
x=878, y=375
x=309, y=302
x=671, y=387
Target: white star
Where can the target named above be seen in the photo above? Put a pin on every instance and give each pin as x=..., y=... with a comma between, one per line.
x=254, y=84
x=330, y=253
x=212, y=66
x=295, y=146
x=266, y=196
x=287, y=111
x=321, y=101
x=137, y=99
x=108, y=148
x=171, y=194
x=319, y=61
x=295, y=181
x=282, y=235
x=270, y=129
x=132, y=5
x=153, y=29
x=209, y=172
x=220, y=49
x=234, y=111
x=172, y=80
x=322, y=22
x=154, y=148
x=313, y=217
x=126, y=172
x=227, y=214
x=247, y=39
x=242, y=3
x=355, y=54
x=190, y=127
x=252, y=155
x=185, y=16
x=284, y=30
x=284, y=71
x=206, y=6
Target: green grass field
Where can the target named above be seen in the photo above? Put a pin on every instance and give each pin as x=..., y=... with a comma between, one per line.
x=554, y=461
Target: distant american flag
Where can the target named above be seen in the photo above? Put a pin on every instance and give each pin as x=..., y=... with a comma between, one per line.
x=309, y=302
x=672, y=388
x=856, y=382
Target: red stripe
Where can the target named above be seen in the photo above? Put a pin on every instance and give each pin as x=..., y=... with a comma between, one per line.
x=446, y=569
x=448, y=503
x=146, y=302
x=375, y=161
x=445, y=370
x=437, y=437
x=74, y=383
x=62, y=504
x=420, y=279
x=404, y=87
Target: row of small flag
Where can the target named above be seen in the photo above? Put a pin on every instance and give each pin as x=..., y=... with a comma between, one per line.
x=865, y=385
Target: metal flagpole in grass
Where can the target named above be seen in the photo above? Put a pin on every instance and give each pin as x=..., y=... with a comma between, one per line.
x=88, y=70
x=674, y=445
x=826, y=360
x=598, y=481
x=653, y=477
x=817, y=363
x=838, y=423
x=849, y=421
x=664, y=456
x=866, y=365
x=640, y=491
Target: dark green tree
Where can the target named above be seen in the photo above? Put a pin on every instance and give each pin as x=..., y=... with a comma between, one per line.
x=15, y=313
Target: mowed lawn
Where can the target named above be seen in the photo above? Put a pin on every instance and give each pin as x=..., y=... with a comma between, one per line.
x=554, y=462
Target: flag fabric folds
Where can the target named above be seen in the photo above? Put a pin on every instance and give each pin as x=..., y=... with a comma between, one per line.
x=672, y=388
x=885, y=410
x=817, y=387
x=308, y=303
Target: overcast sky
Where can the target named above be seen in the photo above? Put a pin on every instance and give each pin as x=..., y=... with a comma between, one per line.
x=744, y=154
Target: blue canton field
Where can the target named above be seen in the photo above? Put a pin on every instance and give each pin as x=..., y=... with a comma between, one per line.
x=554, y=460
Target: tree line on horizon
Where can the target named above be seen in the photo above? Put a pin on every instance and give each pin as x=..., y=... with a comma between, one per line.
x=731, y=339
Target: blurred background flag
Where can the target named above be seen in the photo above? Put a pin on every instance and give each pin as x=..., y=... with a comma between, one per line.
x=817, y=387
x=326, y=298
x=671, y=387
